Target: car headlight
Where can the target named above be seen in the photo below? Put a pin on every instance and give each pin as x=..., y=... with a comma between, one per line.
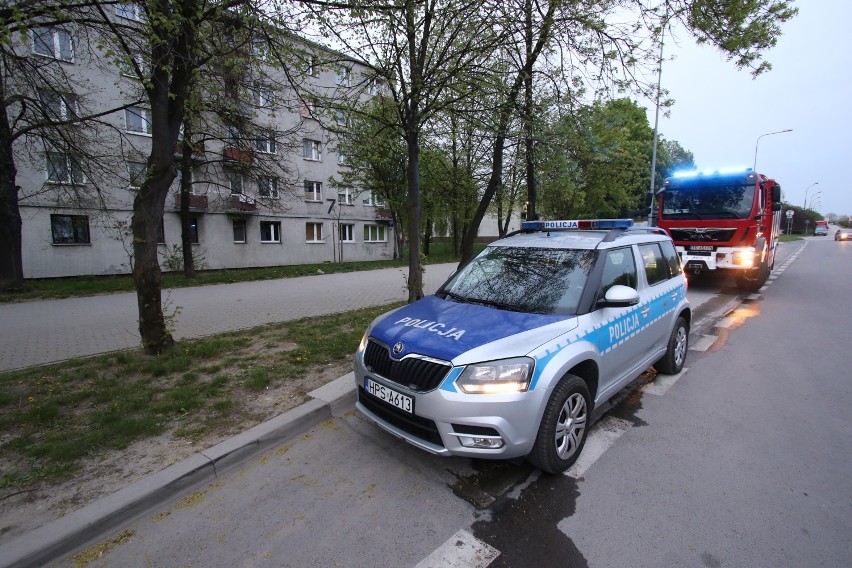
x=497, y=377
x=363, y=344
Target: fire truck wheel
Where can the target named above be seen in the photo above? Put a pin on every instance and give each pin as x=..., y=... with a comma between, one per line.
x=562, y=432
x=672, y=362
x=752, y=280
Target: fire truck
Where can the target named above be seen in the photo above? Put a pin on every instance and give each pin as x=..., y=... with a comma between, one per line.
x=723, y=220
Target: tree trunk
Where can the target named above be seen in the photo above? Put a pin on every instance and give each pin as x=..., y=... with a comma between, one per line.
x=185, y=192
x=11, y=259
x=415, y=269
x=147, y=214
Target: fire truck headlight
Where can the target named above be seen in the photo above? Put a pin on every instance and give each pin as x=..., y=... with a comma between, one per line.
x=744, y=258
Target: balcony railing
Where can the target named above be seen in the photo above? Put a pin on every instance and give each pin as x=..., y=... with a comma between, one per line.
x=234, y=154
x=384, y=215
x=241, y=204
x=196, y=152
x=198, y=202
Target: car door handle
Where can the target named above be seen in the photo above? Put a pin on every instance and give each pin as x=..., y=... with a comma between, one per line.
x=645, y=312
x=674, y=296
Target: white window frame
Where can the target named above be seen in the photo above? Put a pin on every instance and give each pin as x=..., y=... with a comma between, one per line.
x=346, y=232
x=59, y=106
x=131, y=11
x=311, y=67
x=275, y=231
x=240, y=223
x=56, y=45
x=263, y=95
x=375, y=233
x=236, y=182
x=265, y=142
x=267, y=187
x=346, y=196
x=126, y=69
x=315, y=191
x=73, y=222
x=344, y=77
x=312, y=150
x=314, y=231
x=144, y=116
x=73, y=173
x=136, y=173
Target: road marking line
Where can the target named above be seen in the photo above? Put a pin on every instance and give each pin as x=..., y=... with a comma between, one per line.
x=662, y=383
x=600, y=438
x=703, y=343
x=462, y=550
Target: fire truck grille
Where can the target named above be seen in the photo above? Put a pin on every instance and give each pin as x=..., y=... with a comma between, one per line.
x=412, y=372
x=703, y=235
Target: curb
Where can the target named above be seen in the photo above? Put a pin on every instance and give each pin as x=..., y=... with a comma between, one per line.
x=49, y=542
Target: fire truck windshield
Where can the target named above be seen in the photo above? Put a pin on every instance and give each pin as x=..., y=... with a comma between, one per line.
x=709, y=200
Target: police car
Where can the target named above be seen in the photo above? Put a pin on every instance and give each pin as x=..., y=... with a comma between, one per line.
x=511, y=355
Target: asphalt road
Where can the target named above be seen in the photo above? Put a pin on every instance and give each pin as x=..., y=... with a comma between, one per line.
x=742, y=460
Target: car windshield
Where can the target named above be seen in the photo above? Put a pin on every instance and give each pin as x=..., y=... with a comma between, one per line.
x=708, y=201
x=534, y=280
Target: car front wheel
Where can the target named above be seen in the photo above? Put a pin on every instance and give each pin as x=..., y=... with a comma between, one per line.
x=562, y=432
x=672, y=362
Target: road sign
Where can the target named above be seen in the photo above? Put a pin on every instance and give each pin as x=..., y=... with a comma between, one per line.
x=789, y=213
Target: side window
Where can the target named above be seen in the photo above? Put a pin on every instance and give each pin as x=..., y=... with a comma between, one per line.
x=656, y=268
x=672, y=259
x=619, y=268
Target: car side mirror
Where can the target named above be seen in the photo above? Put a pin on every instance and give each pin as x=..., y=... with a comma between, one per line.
x=776, y=206
x=620, y=296
x=776, y=194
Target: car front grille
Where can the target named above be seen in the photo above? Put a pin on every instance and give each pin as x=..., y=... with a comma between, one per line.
x=417, y=426
x=703, y=235
x=413, y=372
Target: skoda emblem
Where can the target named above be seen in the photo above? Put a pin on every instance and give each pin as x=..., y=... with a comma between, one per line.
x=397, y=348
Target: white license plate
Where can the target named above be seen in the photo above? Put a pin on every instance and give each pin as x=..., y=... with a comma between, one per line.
x=390, y=396
x=702, y=247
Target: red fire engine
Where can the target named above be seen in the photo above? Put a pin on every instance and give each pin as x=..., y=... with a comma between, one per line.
x=723, y=220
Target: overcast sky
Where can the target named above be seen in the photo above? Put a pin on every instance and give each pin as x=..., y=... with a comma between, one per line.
x=720, y=111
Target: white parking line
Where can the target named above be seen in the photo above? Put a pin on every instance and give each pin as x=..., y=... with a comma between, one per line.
x=602, y=436
x=462, y=550
x=662, y=383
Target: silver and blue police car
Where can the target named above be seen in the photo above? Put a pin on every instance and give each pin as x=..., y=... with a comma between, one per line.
x=511, y=355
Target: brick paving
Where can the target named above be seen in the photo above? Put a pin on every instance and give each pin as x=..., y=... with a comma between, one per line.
x=46, y=331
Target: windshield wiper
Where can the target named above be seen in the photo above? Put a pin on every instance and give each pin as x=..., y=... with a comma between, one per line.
x=494, y=304
x=456, y=297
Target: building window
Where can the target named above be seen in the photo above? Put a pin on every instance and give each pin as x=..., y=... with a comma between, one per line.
x=345, y=197
x=138, y=120
x=374, y=86
x=313, y=232
x=267, y=187
x=53, y=43
x=62, y=168
x=372, y=200
x=311, y=149
x=341, y=158
x=347, y=233
x=265, y=142
x=263, y=95
x=309, y=106
x=70, y=229
x=193, y=230
x=236, y=180
x=130, y=12
x=340, y=118
x=128, y=69
x=137, y=171
x=343, y=77
x=374, y=234
x=58, y=106
x=270, y=232
x=240, y=231
x=313, y=191
x=260, y=50
x=311, y=67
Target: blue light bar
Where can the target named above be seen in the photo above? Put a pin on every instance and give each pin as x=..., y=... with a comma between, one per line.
x=577, y=224
x=685, y=174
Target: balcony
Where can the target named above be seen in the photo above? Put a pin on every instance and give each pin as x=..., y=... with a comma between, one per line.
x=196, y=150
x=238, y=156
x=241, y=204
x=196, y=202
x=384, y=215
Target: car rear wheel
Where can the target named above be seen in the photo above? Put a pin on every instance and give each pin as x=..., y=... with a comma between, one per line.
x=562, y=432
x=672, y=362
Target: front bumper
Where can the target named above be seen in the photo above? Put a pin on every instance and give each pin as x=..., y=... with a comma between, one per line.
x=445, y=418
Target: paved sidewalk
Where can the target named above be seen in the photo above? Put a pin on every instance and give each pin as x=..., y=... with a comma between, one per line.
x=46, y=331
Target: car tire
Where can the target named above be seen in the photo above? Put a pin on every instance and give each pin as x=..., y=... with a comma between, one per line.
x=672, y=362
x=564, y=425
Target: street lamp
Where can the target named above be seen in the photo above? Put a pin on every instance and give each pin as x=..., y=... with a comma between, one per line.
x=754, y=167
x=806, y=194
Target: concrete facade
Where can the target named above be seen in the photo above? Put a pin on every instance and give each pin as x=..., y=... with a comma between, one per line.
x=78, y=222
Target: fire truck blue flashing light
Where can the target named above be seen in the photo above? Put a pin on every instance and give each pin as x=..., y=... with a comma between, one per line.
x=604, y=224
x=684, y=174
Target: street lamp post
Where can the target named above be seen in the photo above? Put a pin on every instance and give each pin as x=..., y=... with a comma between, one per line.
x=754, y=167
x=804, y=205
